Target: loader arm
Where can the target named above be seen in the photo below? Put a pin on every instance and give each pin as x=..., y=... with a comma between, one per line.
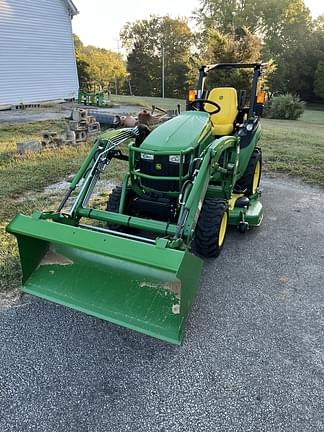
x=209, y=168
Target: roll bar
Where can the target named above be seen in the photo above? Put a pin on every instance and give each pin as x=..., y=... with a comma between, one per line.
x=257, y=68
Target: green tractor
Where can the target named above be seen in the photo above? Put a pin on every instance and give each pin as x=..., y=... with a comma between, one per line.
x=92, y=95
x=137, y=263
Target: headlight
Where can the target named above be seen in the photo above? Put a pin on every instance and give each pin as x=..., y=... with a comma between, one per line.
x=174, y=158
x=147, y=156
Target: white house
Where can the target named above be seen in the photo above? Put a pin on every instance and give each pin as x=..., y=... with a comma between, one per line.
x=37, y=60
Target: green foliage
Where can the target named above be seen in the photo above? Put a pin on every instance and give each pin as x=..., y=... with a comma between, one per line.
x=97, y=65
x=295, y=148
x=218, y=47
x=82, y=64
x=147, y=102
x=286, y=107
x=228, y=15
x=319, y=80
x=290, y=43
x=145, y=40
x=288, y=35
x=105, y=66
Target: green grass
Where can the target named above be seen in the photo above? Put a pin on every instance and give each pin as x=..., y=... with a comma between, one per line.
x=315, y=106
x=313, y=116
x=295, y=148
x=22, y=181
x=28, y=174
x=10, y=133
x=147, y=102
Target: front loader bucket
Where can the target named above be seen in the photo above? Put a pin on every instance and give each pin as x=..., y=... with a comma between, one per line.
x=128, y=282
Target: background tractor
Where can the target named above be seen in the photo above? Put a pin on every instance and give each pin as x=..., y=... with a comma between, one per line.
x=133, y=262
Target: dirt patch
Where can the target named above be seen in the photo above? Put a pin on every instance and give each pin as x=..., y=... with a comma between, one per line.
x=63, y=186
x=31, y=117
x=56, y=188
x=60, y=188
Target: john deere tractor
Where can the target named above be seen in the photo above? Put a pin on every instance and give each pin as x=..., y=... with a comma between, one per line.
x=137, y=263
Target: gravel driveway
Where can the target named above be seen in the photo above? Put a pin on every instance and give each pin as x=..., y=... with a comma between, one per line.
x=61, y=112
x=252, y=359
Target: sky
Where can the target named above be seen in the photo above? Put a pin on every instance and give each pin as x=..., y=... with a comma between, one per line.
x=100, y=21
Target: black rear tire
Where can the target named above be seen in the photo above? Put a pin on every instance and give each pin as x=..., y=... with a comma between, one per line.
x=211, y=228
x=113, y=206
x=250, y=181
x=114, y=199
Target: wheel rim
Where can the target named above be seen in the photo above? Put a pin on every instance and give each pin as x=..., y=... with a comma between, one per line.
x=256, y=177
x=222, y=229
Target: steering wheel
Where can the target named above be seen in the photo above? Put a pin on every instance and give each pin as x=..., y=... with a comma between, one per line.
x=194, y=105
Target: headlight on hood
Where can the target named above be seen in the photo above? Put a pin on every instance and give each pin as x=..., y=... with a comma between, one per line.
x=147, y=156
x=174, y=158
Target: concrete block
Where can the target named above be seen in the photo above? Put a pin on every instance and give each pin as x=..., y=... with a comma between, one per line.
x=79, y=114
x=73, y=125
x=94, y=128
x=70, y=135
x=49, y=135
x=80, y=136
x=28, y=146
x=91, y=119
x=83, y=114
x=84, y=123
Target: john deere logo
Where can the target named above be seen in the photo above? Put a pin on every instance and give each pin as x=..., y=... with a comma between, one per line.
x=158, y=166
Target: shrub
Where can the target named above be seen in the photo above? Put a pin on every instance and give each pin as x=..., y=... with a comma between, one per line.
x=285, y=107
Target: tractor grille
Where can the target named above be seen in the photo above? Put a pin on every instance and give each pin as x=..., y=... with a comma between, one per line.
x=160, y=166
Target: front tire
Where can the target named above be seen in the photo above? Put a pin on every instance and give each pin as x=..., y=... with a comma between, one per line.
x=211, y=228
x=114, y=200
x=113, y=206
x=252, y=176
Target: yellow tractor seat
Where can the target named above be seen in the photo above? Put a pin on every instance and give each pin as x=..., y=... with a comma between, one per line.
x=223, y=121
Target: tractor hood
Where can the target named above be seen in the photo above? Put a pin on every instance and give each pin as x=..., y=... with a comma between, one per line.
x=179, y=133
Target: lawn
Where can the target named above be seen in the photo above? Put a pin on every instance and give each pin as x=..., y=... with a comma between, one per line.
x=295, y=148
x=20, y=176
x=147, y=102
x=313, y=116
x=22, y=183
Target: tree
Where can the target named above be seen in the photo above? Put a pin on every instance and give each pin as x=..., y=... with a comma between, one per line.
x=241, y=47
x=82, y=64
x=288, y=40
x=105, y=66
x=319, y=80
x=145, y=41
x=98, y=65
x=226, y=15
x=284, y=28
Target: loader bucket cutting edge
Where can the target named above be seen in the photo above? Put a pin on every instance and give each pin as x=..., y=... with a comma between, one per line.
x=130, y=283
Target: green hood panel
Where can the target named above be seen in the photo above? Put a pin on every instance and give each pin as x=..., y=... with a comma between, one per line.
x=179, y=133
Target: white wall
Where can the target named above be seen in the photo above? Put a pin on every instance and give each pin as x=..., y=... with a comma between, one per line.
x=37, y=61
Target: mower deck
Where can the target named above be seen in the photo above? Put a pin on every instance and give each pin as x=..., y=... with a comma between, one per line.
x=253, y=214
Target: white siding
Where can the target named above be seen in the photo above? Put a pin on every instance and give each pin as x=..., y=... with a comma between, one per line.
x=37, y=61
